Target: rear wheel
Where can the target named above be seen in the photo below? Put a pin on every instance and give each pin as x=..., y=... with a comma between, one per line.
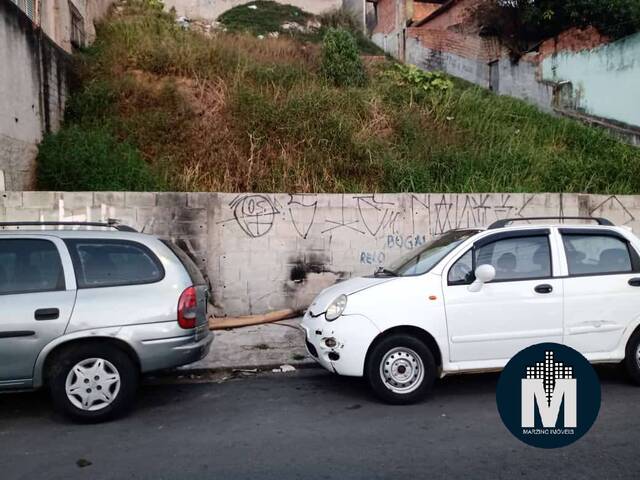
x=632, y=359
x=401, y=369
x=93, y=382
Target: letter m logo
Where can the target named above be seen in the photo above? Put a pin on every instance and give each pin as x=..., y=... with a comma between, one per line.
x=549, y=403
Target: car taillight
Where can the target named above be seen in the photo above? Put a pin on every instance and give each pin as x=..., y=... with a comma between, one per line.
x=187, y=308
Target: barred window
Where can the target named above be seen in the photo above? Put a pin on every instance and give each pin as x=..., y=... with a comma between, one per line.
x=77, y=27
x=28, y=7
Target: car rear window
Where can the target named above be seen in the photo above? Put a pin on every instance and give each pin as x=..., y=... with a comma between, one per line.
x=29, y=266
x=192, y=269
x=110, y=263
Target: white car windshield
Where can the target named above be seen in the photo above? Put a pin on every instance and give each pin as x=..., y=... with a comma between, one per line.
x=427, y=257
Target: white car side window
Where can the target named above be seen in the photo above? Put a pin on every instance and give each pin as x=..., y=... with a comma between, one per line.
x=461, y=273
x=596, y=254
x=517, y=258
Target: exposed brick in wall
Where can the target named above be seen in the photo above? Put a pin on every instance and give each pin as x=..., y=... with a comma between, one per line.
x=387, y=20
x=422, y=10
x=269, y=251
x=574, y=40
x=455, y=29
x=455, y=14
x=462, y=44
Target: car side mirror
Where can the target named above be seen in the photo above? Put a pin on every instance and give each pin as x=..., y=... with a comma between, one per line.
x=484, y=274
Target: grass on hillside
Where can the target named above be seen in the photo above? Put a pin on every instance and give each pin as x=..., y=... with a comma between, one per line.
x=235, y=113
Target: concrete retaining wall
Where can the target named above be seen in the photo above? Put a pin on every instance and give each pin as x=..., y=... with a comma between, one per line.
x=34, y=78
x=264, y=252
x=33, y=89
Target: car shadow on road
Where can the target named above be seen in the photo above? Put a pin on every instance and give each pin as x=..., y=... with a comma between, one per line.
x=348, y=391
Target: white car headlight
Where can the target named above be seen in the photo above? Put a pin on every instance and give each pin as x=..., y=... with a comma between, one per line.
x=335, y=309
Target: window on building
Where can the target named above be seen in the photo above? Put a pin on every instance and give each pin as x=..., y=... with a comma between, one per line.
x=77, y=27
x=28, y=7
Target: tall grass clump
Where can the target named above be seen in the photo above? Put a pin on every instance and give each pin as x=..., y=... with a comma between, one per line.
x=92, y=159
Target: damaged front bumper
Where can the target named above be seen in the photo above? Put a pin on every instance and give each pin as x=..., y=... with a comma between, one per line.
x=340, y=346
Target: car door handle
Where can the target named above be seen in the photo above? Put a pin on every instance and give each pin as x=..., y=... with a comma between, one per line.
x=635, y=282
x=47, y=314
x=545, y=288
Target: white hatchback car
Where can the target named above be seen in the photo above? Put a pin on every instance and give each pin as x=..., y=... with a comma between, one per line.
x=471, y=299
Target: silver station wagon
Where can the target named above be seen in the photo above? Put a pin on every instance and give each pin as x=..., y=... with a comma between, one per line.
x=85, y=311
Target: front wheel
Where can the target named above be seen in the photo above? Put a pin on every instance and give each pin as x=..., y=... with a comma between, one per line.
x=401, y=369
x=632, y=359
x=93, y=382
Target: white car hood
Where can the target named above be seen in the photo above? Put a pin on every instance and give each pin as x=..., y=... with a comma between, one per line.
x=348, y=287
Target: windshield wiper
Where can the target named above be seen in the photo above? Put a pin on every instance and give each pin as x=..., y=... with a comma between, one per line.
x=385, y=271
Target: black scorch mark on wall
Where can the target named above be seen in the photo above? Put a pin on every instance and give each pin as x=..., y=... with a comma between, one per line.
x=300, y=269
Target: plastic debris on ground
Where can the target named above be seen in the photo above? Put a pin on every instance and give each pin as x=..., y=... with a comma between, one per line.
x=284, y=369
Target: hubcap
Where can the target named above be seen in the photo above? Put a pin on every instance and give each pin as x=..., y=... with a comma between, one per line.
x=93, y=384
x=402, y=370
x=638, y=356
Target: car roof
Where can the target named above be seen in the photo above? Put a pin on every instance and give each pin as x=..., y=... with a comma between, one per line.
x=76, y=233
x=553, y=225
x=538, y=226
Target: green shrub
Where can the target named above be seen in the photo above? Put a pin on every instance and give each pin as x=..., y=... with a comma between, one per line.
x=344, y=19
x=411, y=76
x=341, y=62
x=95, y=102
x=261, y=17
x=80, y=158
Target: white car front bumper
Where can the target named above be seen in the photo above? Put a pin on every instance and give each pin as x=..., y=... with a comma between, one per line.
x=353, y=334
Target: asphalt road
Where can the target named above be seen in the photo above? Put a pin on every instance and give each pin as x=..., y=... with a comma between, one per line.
x=310, y=424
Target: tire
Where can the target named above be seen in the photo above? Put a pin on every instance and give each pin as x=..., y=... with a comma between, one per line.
x=632, y=358
x=110, y=376
x=401, y=357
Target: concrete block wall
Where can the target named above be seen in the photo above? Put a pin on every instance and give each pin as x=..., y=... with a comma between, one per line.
x=264, y=252
x=523, y=80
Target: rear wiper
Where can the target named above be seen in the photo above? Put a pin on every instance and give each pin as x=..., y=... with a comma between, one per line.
x=385, y=271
